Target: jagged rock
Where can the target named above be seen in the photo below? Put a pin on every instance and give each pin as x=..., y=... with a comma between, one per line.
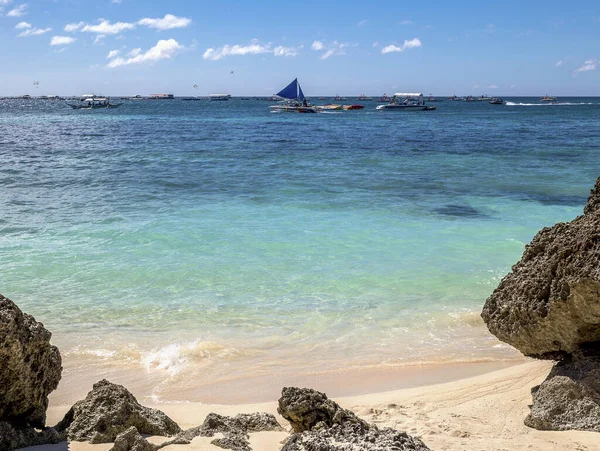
x=549, y=305
x=234, y=442
x=235, y=429
x=569, y=398
x=307, y=409
x=322, y=425
x=14, y=438
x=131, y=440
x=353, y=437
x=30, y=367
x=110, y=409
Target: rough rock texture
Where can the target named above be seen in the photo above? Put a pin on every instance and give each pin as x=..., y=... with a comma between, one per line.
x=322, y=425
x=354, y=437
x=131, y=440
x=569, y=398
x=306, y=409
x=110, y=409
x=14, y=438
x=235, y=429
x=549, y=305
x=30, y=367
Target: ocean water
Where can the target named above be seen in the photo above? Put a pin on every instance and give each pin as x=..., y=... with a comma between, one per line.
x=190, y=245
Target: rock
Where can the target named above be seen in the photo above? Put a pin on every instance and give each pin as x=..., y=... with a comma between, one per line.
x=307, y=409
x=235, y=429
x=549, y=305
x=353, y=437
x=322, y=425
x=14, y=438
x=30, y=367
x=131, y=440
x=110, y=409
x=569, y=398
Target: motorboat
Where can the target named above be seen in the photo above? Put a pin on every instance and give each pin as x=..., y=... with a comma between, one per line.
x=484, y=98
x=383, y=98
x=161, y=97
x=93, y=103
x=433, y=99
x=406, y=101
x=363, y=97
x=337, y=98
x=497, y=101
x=219, y=97
x=293, y=100
x=548, y=98
x=329, y=107
x=469, y=99
x=353, y=107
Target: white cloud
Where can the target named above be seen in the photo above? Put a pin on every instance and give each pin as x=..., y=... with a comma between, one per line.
x=164, y=49
x=363, y=22
x=18, y=11
x=559, y=63
x=490, y=28
x=406, y=22
x=105, y=27
x=235, y=50
x=285, y=51
x=587, y=65
x=21, y=25
x=113, y=54
x=492, y=87
x=331, y=49
x=62, y=40
x=413, y=43
x=375, y=44
x=317, y=45
x=33, y=32
x=5, y=2
x=98, y=40
x=135, y=52
x=475, y=86
x=74, y=26
x=513, y=86
x=166, y=23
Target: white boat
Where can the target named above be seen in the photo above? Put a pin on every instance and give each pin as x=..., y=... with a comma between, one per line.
x=293, y=100
x=93, y=102
x=219, y=97
x=548, y=98
x=406, y=101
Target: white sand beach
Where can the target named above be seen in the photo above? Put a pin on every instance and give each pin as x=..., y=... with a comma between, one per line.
x=479, y=413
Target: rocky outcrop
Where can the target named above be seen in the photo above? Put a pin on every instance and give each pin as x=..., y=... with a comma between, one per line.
x=569, y=398
x=235, y=429
x=131, y=440
x=308, y=409
x=321, y=424
x=110, y=409
x=549, y=305
x=30, y=367
x=12, y=437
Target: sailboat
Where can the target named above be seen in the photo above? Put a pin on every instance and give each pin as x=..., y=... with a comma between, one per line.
x=293, y=100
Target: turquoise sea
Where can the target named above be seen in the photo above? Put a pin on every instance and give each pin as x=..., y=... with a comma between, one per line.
x=192, y=244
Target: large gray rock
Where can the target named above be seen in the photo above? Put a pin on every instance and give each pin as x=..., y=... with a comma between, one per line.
x=307, y=409
x=110, y=409
x=569, y=398
x=549, y=305
x=322, y=425
x=30, y=367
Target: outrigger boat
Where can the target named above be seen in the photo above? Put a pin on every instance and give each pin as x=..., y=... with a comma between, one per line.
x=406, y=101
x=293, y=100
x=92, y=102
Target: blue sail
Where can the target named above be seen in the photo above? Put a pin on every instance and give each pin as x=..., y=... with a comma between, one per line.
x=290, y=91
x=300, y=93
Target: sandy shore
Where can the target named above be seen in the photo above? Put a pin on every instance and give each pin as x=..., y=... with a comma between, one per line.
x=483, y=413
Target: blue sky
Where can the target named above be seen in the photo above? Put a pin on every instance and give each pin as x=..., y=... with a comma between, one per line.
x=127, y=47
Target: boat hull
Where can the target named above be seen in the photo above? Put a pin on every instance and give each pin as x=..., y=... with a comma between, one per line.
x=94, y=107
x=293, y=109
x=405, y=108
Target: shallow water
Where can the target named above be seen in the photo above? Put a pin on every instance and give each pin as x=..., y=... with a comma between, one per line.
x=192, y=243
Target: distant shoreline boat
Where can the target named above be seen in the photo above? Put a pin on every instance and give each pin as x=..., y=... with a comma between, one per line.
x=548, y=98
x=93, y=102
x=161, y=97
x=364, y=97
x=406, y=101
x=219, y=97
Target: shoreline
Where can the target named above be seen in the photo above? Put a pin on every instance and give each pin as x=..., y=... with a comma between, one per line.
x=259, y=388
x=484, y=411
